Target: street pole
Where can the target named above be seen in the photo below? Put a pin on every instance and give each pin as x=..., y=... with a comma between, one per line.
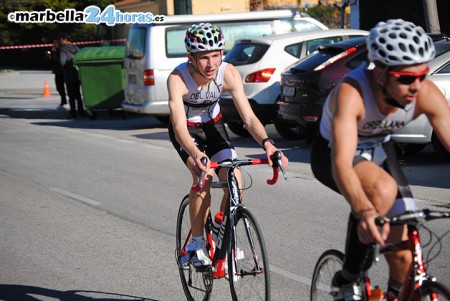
x=341, y=6
x=431, y=16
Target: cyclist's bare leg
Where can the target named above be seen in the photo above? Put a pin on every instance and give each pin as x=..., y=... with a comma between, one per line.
x=379, y=186
x=399, y=262
x=199, y=202
x=381, y=190
x=226, y=194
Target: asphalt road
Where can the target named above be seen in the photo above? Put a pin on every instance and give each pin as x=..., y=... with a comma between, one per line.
x=88, y=208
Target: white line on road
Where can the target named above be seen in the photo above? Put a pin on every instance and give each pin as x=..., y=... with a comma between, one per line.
x=76, y=197
x=292, y=276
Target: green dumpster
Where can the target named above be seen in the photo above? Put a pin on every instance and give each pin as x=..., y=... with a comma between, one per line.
x=102, y=77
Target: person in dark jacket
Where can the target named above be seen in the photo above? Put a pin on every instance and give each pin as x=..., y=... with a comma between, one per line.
x=67, y=52
x=53, y=57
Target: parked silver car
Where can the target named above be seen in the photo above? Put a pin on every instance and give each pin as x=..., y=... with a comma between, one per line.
x=260, y=62
x=419, y=133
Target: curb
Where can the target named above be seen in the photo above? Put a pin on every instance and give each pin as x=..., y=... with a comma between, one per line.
x=34, y=114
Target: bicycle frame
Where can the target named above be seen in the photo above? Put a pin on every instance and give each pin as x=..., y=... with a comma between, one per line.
x=417, y=273
x=218, y=250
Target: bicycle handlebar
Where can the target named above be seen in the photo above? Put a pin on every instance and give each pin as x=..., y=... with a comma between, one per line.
x=413, y=218
x=277, y=165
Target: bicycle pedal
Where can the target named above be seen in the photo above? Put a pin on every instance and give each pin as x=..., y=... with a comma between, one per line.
x=203, y=269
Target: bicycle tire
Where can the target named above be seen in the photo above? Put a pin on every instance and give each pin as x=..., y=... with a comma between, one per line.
x=246, y=248
x=197, y=285
x=428, y=288
x=328, y=264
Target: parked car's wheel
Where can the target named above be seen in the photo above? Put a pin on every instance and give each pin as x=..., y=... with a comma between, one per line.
x=238, y=128
x=163, y=119
x=439, y=148
x=289, y=131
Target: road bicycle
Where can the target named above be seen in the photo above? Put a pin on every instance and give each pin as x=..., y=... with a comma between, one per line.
x=239, y=252
x=418, y=285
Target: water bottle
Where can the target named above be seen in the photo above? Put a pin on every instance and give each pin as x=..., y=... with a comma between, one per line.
x=218, y=218
x=376, y=294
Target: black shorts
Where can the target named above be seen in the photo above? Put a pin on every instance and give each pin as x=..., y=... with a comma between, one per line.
x=321, y=166
x=211, y=139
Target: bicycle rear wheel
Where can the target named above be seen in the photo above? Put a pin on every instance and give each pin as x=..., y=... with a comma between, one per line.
x=328, y=264
x=248, y=264
x=434, y=291
x=197, y=285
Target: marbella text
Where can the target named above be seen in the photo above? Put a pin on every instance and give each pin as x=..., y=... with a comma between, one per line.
x=90, y=15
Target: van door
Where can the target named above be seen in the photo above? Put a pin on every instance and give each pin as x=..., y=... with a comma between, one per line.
x=134, y=64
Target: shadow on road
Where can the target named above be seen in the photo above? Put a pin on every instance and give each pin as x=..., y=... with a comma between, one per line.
x=12, y=292
x=114, y=122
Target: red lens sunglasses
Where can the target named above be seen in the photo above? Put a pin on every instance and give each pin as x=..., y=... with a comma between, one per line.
x=407, y=78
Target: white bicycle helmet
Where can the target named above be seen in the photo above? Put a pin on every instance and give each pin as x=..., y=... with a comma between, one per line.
x=398, y=42
x=204, y=37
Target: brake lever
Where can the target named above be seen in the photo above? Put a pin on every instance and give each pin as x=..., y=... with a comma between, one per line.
x=198, y=187
x=380, y=222
x=279, y=163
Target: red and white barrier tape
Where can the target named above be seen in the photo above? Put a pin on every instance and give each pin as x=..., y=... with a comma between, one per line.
x=50, y=45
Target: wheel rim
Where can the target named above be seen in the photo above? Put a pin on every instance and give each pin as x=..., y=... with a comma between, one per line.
x=248, y=280
x=196, y=285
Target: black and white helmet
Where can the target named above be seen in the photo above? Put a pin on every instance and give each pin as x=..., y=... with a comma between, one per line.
x=398, y=42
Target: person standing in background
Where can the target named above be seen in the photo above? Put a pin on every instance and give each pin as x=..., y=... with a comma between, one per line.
x=67, y=52
x=53, y=57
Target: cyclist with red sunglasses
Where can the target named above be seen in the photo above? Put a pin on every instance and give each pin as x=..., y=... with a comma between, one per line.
x=353, y=154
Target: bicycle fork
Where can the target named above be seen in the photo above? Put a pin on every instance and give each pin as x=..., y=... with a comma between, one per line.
x=417, y=270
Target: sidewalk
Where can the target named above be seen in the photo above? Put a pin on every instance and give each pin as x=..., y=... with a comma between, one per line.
x=21, y=95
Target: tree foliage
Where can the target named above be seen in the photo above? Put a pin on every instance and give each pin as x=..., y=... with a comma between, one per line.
x=328, y=14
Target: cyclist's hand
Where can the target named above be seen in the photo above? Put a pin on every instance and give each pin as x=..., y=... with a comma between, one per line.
x=199, y=164
x=368, y=231
x=270, y=150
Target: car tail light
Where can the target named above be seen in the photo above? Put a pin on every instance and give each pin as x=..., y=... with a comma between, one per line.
x=261, y=76
x=335, y=59
x=311, y=118
x=149, y=77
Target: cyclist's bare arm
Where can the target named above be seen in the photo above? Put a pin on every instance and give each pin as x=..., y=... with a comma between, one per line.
x=348, y=107
x=433, y=104
x=233, y=84
x=177, y=89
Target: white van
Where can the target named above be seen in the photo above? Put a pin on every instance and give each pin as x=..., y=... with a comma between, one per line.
x=154, y=50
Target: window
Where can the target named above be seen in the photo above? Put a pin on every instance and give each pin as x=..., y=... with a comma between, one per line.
x=312, y=45
x=294, y=49
x=446, y=69
x=246, y=53
x=303, y=25
x=232, y=32
x=175, y=46
x=357, y=60
x=243, y=30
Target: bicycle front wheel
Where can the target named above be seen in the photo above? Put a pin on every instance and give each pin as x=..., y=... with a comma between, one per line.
x=197, y=285
x=433, y=291
x=328, y=264
x=248, y=265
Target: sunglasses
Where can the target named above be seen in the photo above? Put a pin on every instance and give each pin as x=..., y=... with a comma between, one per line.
x=407, y=78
